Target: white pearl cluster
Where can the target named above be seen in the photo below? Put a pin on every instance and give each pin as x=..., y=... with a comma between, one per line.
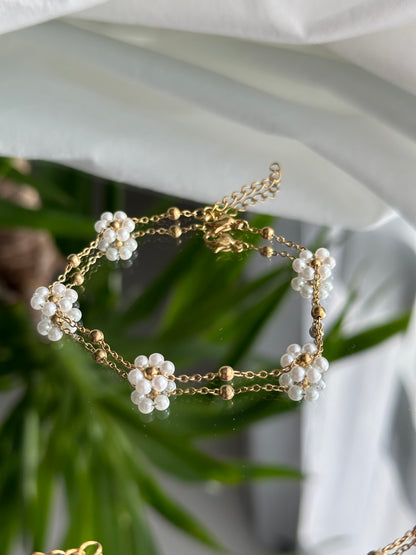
x=116, y=242
x=151, y=392
x=303, y=382
x=301, y=265
x=61, y=298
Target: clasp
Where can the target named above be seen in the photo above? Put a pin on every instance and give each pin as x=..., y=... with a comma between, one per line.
x=217, y=236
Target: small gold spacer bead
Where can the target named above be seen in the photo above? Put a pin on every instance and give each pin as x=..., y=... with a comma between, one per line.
x=153, y=394
x=375, y=553
x=227, y=392
x=149, y=373
x=174, y=213
x=267, y=233
x=318, y=311
x=115, y=225
x=315, y=263
x=119, y=244
x=312, y=332
x=175, y=231
x=226, y=373
x=74, y=260
x=266, y=251
x=77, y=279
x=54, y=298
x=99, y=355
x=304, y=359
x=96, y=336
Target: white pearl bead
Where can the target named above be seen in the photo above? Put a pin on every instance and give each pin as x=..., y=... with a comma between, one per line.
x=49, y=309
x=54, y=334
x=297, y=373
x=285, y=360
x=156, y=359
x=331, y=262
x=37, y=302
x=167, y=367
x=159, y=383
x=321, y=385
x=306, y=291
x=311, y=394
x=107, y=216
x=308, y=273
x=122, y=234
x=135, y=397
x=125, y=253
x=294, y=349
x=75, y=314
x=134, y=376
x=321, y=253
x=162, y=402
x=170, y=388
x=58, y=288
x=305, y=255
x=298, y=265
x=129, y=225
x=321, y=364
x=323, y=294
x=141, y=361
x=43, y=327
x=71, y=295
x=145, y=405
x=41, y=292
x=309, y=348
x=144, y=386
x=65, y=305
x=99, y=226
x=297, y=283
x=313, y=375
x=324, y=271
x=131, y=244
x=295, y=393
x=109, y=235
x=103, y=245
x=326, y=286
x=285, y=380
x=120, y=215
x=112, y=254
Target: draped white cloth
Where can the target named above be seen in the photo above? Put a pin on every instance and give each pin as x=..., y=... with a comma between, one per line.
x=196, y=99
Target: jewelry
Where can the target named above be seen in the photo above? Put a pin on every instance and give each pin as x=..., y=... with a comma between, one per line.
x=79, y=551
x=152, y=377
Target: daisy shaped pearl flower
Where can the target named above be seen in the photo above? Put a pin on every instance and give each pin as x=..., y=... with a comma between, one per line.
x=115, y=230
x=49, y=302
x=303, y=380
x=302, y=265
x=152, y=381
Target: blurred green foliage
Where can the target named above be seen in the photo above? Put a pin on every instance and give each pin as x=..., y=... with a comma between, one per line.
x=72, y=424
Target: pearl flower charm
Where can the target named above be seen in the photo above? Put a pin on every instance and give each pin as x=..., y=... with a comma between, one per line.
x=302, y=266
x=150, y=378
x=61, y=298
x=116, y=241
x=301, y=382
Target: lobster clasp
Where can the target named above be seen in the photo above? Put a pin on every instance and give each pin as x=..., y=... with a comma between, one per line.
x=217, y=236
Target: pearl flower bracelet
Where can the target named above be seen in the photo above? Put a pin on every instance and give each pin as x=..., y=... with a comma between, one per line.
x=152, y=377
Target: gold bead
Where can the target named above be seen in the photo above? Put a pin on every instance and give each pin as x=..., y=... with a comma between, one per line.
x=375, y=553
x=318, y=311
x=77, y=279
x=174, y=213
x=115, y=225
x=74, y=260
x=149, y=373
x=226, y=373
x=266, y=251
x=227, y=392
x=119, y=244
x=96, y=336
x=54, y=298
x=315, y=263
x=312, y=332
x=175, y=231
x=99, y=355
x=267, y=233
x=304, y=359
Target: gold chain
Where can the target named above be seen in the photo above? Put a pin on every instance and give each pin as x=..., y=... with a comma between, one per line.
x=79, y=551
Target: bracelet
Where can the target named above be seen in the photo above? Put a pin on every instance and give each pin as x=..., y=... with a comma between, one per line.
x=152, y=377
